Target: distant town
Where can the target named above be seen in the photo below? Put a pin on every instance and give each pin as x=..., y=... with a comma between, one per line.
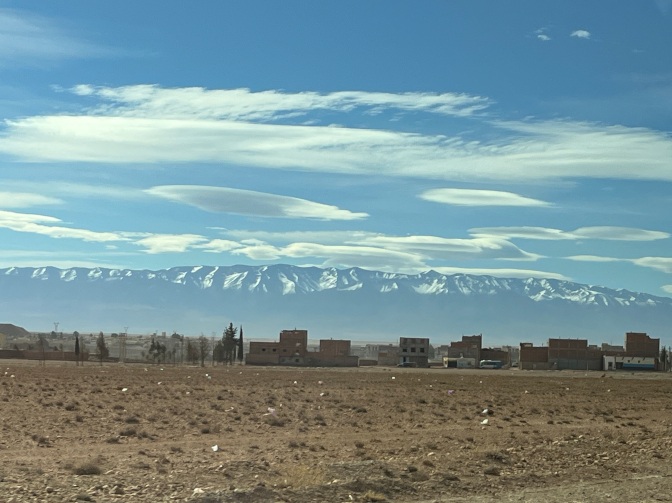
x=293, y=348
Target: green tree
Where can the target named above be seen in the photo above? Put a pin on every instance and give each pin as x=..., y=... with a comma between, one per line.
x=230, y=343
x=663, y=358
x=101, y=348
x=77, y=348
x=240, y=346
x=192, y=352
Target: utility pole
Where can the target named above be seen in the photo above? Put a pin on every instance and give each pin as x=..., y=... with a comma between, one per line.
x=56, y=324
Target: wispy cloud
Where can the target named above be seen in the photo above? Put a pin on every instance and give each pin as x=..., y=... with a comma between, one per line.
x=580, y=34
x=663, y=264
x=25, y=200
x=47, y=226
x=151, y=101
x=600, y=232
x=169, y=243
x=543, y=37
x=503, y=273
x=248, y=202
x=666, y=288
x=521, y=151
x=27, y=39
x=473, y=197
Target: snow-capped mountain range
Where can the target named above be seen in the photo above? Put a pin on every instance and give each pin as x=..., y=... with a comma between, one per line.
x=355, y=303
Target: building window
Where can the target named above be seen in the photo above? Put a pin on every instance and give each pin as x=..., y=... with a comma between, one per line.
x=412, y=350
x=297, y=360
x=263, y=349
x=404, y=350
x=274, y=350
x=284, y=350
x=422, y=350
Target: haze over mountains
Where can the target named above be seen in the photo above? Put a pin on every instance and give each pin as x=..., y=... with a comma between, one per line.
x=351, y=303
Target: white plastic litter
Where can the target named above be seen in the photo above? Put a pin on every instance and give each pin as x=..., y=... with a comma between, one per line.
x=321, y=394
x=122, y=389
x=295, y=382
x=320, y=382
x=198, y=490
x=271, y=411
x=485, y=411
x=214, y=448
x=393, y=378
x=485, y=421
x=159, y=382
x=451, y=391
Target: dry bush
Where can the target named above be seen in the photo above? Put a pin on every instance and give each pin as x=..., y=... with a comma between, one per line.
x=87, y=469
x=303, y=476
x=373, y=496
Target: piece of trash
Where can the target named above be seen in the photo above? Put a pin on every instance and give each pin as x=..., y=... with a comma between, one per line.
x=146, y=370
x=481, y=382
x=566, y=389
x=188, y=377
x=485, y=411
x=160, y=382
x=294, y=382
x=485, y=421
x=188, y=392
x=271, y=411
x=526, y=392
x=209, y=377
x=321, y=394
x=393, y=378
x=161, y=369
x=214, y=448
x=198, y=490
x=608, y=390
x=451, y=391
x=320, y=382
x=122, y=389
x=12, y=375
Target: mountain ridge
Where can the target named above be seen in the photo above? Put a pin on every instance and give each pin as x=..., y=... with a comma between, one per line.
x=359, y=300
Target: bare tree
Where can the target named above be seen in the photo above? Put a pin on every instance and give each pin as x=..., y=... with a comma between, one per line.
x=101, y=348
x=203, y=348
x=41, y=345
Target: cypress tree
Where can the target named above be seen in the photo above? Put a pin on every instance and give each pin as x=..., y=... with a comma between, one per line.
x=77, y=349
x=240, y=345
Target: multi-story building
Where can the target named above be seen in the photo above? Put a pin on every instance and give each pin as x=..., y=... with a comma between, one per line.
x=414, y=350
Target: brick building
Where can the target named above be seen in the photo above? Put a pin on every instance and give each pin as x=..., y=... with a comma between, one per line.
x=292, y=350
x=414, y=350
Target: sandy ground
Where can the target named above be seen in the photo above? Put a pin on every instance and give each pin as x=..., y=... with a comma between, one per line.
x=145, y=433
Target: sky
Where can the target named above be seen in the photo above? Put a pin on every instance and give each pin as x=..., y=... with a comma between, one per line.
x=515, y=139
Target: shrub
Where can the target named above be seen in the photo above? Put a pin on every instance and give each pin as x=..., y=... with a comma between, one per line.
x=87, y=469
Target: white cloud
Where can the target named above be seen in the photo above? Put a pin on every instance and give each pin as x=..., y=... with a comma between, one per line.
x=663, y=264
x=599, y=232
x=437, y=248
x=580, y=34
x=25, y=222
x=218, y=246
x=169, y=243
x=523, y=151
x=151, y=101
x=25, y=200
x=595, y=258
x=659, y=263
x=322, y=237
x=666, y=288
x=619, y=233
x=28, y=39
x=473, y=197
x=543, y=37
x=358, y=256
x=503, y=273
x=248, y=202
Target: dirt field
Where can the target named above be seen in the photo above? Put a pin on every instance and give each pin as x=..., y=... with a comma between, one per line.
x=140, y=433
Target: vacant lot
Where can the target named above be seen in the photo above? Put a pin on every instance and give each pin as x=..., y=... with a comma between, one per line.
x=145, y=433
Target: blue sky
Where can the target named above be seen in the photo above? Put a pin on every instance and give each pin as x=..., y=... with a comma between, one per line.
x=518, y=139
